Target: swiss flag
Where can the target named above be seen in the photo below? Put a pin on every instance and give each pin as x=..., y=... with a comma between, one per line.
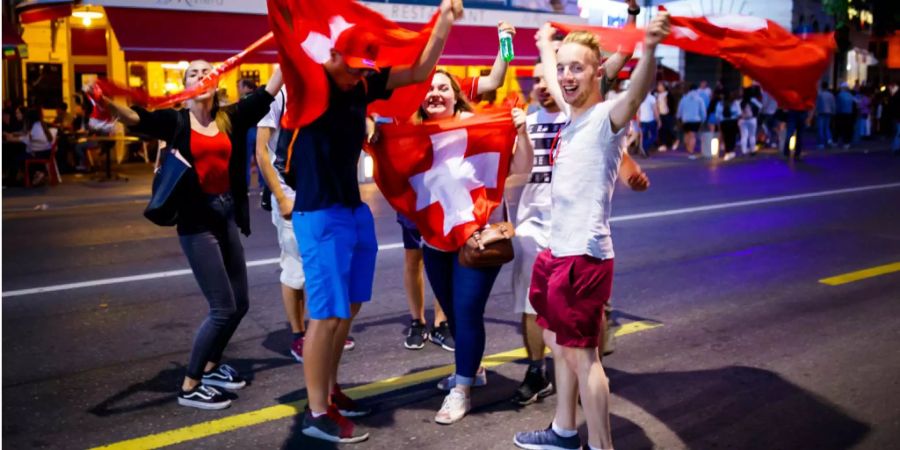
x=445, y=176
x=306, y=31
x=785, y=65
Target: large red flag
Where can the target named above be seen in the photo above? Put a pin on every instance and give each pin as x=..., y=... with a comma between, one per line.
x=785, y=65
x=446, y=176
x=306, y=32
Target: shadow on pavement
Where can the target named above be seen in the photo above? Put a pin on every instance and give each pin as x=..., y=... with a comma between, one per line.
x=145, y=394
x=733, y=407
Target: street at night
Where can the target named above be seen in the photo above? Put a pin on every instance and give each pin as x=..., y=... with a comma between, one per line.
x=739, y=326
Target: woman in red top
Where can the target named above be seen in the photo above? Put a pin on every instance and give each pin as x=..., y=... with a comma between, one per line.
x=212, y=206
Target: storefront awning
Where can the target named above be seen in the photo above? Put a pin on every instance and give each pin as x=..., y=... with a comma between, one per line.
x=31, y=11
x=165, y=35
x=477, y=46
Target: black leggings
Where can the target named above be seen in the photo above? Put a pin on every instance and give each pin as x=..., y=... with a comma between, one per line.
x=216, y=257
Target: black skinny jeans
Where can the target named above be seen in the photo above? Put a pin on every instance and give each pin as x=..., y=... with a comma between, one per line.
x=216, y=257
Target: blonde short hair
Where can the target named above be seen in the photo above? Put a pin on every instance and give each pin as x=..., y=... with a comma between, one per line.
x=586, y=39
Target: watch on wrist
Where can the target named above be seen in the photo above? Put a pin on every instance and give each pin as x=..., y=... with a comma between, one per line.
x=634, y=12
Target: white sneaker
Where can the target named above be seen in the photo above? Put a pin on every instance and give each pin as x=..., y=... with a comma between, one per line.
x=449, y=383
x=455, y=407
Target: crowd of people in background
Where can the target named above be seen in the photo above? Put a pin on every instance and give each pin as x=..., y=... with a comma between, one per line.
x=680, y=116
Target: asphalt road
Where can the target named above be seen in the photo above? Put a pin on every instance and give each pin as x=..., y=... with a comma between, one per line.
x=753, y=352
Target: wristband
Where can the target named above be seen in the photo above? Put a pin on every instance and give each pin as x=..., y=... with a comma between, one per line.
x=634, y=12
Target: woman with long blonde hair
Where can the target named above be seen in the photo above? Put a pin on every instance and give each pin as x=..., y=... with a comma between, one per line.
x=212, y=206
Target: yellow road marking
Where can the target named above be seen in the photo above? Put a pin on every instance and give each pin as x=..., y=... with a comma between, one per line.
x=861, y=274
x=285, y=410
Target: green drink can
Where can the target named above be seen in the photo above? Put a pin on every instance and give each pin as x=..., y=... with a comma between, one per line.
x=506, y=46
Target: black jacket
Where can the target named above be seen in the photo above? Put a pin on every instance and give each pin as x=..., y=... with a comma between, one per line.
x=194, y=216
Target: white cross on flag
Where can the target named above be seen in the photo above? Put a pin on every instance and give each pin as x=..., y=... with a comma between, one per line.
x=447, y=176
x=306, y=31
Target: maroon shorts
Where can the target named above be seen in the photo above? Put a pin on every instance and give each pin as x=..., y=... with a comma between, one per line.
x=569, y=295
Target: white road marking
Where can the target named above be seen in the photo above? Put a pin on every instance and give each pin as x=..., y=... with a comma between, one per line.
x=396, y=245
x=759, y=201
x=147, y=276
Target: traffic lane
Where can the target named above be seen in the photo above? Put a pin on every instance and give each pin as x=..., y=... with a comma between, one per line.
x=108, y=312
x=112, y=240
x=111, y=312
x=53, y=247
x=390, y=331
x=689, y=185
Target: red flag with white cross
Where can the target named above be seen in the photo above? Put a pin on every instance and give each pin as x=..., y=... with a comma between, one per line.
x=785, y=65
x=445, y=176
x=306, y=31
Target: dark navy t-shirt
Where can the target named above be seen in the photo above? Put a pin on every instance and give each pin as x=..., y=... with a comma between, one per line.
x=326, y=152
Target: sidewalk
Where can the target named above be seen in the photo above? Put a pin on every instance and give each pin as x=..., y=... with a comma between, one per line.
x=78, y=190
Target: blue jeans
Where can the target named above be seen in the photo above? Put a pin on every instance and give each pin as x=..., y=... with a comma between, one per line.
x=217, y=260
x=795, y=123
x=823, y=126
x=648, y=132
x=463, y=294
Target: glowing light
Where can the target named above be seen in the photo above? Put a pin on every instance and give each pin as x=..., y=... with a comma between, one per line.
x=793, y=142
x=170, y=86
x=368, y=166
x=180, y=65
x=87, y=16
x=714, y=147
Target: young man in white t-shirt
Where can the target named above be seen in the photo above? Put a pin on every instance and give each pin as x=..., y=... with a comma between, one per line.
x=572, y=279
x=533, y=224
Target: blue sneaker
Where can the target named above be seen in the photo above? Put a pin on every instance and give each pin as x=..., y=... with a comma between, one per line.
x=546, y=440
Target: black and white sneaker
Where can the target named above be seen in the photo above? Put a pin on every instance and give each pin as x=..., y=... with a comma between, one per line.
x=418, y=334
x=203, y=397
x=442, y=337
x=224, y=376
x=535, y=386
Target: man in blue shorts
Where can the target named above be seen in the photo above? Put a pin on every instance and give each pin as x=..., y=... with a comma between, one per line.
x=334, y=228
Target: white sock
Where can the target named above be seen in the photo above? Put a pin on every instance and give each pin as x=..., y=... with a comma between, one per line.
x=562, y=432
x=316, y=415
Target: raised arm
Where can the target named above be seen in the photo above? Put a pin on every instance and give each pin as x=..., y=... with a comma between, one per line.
x=125, y=114
x=644, y=74
x=450, y=11
x=544, y=43
x=498, y=71
x=523, y=155
x=275, y=82
x=617, y=61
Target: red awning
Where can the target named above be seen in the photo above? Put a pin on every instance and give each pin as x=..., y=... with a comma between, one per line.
x=31, y=11
x=11, y=36
x=477, y=46
x=164, y=35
